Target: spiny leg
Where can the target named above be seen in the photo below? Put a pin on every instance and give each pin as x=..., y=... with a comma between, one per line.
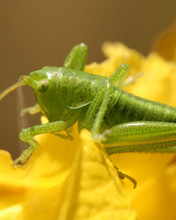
x=142, y=136
x=100, y=115
x=119, y=75
x=99, y=118
x=96, y=111
x=77, y=57
x=90, y=114
x=27, y=135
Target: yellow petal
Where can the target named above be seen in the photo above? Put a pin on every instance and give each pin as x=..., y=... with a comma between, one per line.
x=157, y=200
x=93, y=191
x=117, y=54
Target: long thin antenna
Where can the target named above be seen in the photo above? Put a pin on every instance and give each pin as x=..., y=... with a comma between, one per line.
x=22, y=121
x=11, y=88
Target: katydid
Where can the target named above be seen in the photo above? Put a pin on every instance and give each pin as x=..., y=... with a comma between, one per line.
x=121, y=121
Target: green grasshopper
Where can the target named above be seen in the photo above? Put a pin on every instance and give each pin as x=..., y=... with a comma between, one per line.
x=121, y=121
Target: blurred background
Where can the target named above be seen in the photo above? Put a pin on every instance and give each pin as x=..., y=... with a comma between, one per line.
x=40, y=33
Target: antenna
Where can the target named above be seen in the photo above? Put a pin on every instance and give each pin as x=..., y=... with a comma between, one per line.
x=11, y=88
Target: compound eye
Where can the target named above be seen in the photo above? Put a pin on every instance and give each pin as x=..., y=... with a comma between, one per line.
x=42, y=86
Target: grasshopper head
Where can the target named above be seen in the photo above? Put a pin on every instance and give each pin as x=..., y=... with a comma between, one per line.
x=44, y=83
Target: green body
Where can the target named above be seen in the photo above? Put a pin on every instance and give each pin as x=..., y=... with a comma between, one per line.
x=121, y=121
x=72, y=92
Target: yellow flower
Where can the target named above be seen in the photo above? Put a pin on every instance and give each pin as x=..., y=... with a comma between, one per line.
x=75, y=180
x=155, y=195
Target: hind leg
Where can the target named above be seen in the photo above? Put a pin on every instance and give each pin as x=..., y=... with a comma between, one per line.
x=151, y=137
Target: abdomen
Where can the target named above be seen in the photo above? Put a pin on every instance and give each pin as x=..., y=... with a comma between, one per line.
x=132, y=108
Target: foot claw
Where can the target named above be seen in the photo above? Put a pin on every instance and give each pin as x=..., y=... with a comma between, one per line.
x=122, y=176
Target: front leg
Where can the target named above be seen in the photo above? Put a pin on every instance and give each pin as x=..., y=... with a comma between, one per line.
x=27, y=135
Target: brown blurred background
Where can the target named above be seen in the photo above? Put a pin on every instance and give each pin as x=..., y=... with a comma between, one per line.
x=37, y=33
